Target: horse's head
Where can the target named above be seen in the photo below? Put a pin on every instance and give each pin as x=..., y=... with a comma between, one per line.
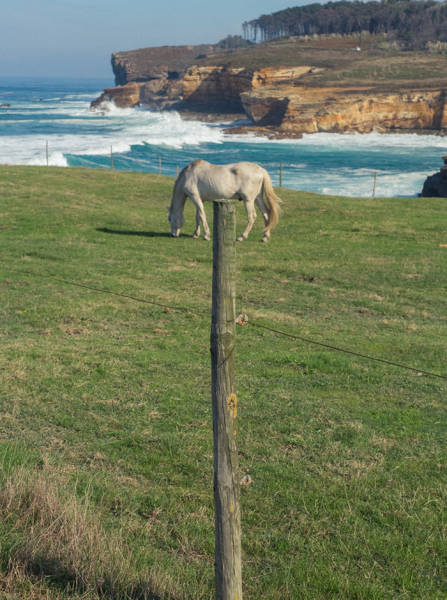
x=176, y=218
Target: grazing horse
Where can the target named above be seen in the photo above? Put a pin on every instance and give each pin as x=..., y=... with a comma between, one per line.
x=200, y=180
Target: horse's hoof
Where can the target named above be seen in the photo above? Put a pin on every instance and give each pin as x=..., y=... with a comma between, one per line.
x=265, y=240
x=194, y=237
x=240, y=238
x=206, y=239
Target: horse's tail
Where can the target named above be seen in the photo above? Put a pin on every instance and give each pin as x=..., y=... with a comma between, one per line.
x=273, y=202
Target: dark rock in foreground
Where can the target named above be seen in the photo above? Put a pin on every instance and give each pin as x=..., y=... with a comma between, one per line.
x=435, y=186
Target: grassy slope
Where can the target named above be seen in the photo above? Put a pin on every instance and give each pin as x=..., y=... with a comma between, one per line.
x=105, y=402
x=377, y=65
x=343, y=65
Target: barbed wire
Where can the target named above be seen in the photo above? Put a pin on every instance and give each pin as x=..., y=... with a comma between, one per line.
x=242, y=320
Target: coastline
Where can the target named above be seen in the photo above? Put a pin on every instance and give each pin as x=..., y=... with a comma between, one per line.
x=142, y=140
x=239, y=124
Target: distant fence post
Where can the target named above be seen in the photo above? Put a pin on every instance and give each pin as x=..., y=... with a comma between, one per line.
x=159, y=165
x=46, y=151
x=227, y=553
x=374, y=185
x=111, y=157
x=280, y=175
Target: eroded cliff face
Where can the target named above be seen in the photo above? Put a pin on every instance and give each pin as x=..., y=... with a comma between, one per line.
x=283, y=100
x=198, y=88
x=159, y=62
x=311, y=110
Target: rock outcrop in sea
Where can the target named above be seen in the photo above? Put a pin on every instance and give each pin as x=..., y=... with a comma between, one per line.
x=284, y=101
x=436, y=185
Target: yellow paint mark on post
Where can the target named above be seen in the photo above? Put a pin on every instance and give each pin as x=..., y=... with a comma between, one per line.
x=231, y=506
x=232, y=405
x=443, y=245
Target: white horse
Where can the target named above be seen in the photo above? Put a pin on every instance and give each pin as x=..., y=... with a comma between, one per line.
x=200, y=180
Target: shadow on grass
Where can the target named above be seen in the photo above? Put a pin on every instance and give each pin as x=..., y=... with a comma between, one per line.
x=131, y=232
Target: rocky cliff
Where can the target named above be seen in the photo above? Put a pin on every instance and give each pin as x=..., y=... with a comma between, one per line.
x=281, y=100
x=309, y=110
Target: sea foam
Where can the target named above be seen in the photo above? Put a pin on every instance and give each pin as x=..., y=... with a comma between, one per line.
x=96, y=133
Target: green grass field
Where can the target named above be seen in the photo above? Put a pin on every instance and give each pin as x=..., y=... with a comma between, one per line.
x=105, y=427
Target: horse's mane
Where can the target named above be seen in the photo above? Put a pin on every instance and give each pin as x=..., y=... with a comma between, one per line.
x=179, y=177
x=183, y=172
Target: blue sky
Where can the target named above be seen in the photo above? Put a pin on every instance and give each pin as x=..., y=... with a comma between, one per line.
x=75, y=38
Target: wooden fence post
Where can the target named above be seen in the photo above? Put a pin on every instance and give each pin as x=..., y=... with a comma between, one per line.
x=227, y=553
x=280, y=175
x=374, y=185
x=46, y=151
x=111, y=158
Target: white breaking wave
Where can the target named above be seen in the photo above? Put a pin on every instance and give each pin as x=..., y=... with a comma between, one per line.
x=117, y=128
x=352, y=141
x=387, y=185
x=373, y=140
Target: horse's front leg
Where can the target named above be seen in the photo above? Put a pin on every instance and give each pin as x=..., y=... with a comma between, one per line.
x=197, y=229
x=251, y=216
x=200, y=211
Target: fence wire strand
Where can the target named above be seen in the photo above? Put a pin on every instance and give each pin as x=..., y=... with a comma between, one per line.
x=104, y=291
x=345, y=351
x=251, y=322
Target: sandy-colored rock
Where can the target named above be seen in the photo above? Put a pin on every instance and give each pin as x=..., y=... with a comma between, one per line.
x=284, y=99
x=304, y=109
x=157, y=62
x=218, y=88
x=273, y=76
x=123, y=96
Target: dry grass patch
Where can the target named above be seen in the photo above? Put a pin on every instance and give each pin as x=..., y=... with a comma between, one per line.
x=63, y=541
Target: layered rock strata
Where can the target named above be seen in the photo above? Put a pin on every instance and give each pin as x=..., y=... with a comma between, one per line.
x=284, y=100
x=205, y=88
x=310, y=110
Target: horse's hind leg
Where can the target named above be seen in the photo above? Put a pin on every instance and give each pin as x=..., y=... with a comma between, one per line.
x=251, y=216
x=197, y=229
x=262, y=207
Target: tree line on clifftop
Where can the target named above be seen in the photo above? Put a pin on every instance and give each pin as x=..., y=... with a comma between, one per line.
x=411, y=22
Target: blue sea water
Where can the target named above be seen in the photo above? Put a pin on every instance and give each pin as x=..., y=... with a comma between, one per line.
x=57, y=112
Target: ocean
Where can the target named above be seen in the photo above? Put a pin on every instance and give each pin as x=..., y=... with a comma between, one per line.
x=55, y=114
